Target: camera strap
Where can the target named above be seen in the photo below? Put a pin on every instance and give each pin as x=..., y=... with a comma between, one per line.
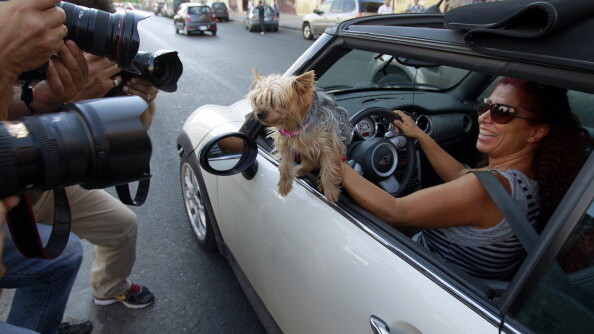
x=123, y=191
x=23, y=227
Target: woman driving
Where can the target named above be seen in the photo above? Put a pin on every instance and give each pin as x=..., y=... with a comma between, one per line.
x=532, y=143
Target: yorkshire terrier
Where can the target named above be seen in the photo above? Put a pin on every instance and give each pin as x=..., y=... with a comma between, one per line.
x=306, y=125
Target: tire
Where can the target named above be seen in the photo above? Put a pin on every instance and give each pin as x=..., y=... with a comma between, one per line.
x=275, y=29
x=306, y=31
x=195, y=209
x=214, y=32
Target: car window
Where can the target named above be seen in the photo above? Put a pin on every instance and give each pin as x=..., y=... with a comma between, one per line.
x=337, y=6
x=360, y=69
x=198, y=10
x=582, y=105
x=218, y=5
x=348, y=6
x=563, y=300
x=325, y=6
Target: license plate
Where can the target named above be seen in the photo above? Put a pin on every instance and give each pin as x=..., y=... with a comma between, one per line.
x=203, y=28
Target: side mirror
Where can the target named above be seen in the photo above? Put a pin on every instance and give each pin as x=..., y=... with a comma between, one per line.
x=229, y=154
x=317, y=11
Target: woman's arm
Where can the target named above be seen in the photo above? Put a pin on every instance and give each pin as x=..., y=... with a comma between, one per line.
x=463, y=201
x=443, y=163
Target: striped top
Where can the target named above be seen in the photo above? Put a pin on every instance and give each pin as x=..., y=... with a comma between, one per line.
x=492, y=253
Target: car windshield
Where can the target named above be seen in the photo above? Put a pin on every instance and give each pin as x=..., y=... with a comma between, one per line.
x=360, y=70
x=198, y=10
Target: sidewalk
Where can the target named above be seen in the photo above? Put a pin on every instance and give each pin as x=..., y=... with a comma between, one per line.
x=290, y=21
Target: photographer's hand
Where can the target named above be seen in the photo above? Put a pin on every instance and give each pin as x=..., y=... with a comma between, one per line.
x=5, y=205
x=102, y=77
x=68, y=73
x=148, y=92
x=33, y=31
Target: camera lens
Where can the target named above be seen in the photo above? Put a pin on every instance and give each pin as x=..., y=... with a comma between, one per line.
x=110, y=35
x=162, y=68
x=96, y=143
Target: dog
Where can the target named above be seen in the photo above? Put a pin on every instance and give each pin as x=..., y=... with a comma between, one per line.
x=306, y=124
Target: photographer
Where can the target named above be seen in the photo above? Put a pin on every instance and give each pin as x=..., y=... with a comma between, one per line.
x=95, y=215
x=42, y=286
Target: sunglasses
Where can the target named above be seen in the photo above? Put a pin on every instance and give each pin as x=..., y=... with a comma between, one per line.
x=500, y=113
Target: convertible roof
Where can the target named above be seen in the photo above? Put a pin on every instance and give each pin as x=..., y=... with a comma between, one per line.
x=553, y=34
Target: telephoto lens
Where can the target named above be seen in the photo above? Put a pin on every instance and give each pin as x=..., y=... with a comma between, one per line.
x=96, y=143
x=114, y=36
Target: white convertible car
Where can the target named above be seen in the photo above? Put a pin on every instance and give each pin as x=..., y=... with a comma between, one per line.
x=308, y=266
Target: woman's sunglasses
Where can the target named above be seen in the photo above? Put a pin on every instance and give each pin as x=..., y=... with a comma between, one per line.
x=500, y=113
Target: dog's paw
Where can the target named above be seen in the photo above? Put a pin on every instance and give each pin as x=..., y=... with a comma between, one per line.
x=284, y=187
x=332, y=194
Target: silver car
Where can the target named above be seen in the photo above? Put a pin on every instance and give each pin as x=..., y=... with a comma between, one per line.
x=332, y=12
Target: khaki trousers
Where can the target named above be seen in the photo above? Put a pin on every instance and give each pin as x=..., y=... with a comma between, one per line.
x=109, y=225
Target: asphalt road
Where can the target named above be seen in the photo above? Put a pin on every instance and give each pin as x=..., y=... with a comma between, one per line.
x=196, y=292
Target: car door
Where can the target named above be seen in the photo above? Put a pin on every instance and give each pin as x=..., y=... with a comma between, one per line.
x=319, y=22
x=318, y=269
x=556, y=294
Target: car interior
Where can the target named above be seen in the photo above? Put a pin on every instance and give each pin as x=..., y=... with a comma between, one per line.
x=442, y=100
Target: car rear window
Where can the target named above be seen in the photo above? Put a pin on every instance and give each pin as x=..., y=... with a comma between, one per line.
x=218, y=5
x=198, y=10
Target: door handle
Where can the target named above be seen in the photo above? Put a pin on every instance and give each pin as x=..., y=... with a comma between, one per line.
x=379, y=326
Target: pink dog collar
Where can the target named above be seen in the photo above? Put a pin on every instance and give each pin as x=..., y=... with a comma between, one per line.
x=291, y=133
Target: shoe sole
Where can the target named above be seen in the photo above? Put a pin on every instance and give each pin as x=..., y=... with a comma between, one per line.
x=103, y=302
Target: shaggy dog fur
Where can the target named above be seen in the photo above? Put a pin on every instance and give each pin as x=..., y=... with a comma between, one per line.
x=306, y=123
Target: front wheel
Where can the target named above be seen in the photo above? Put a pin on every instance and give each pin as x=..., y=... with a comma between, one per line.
x=306, y=31
x=195, y=209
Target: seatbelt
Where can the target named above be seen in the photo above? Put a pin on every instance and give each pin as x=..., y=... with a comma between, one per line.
x=515, y=218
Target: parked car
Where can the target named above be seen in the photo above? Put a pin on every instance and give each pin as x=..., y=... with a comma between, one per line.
x=332, y=12
x=252, y=19
x=195, y=18
x=221, y=11
x=309, y=266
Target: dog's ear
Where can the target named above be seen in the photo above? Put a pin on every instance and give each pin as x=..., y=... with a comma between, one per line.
x=256, y=74
x=305, y=82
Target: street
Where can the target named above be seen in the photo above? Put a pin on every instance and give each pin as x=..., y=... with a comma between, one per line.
x=196, y=292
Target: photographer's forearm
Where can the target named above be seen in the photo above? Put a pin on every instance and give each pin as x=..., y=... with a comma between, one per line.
x=17, y=108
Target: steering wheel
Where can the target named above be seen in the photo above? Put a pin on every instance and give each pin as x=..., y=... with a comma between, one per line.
x=378, y=157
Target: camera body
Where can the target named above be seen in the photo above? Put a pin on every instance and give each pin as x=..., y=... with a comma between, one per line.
x=96, y=143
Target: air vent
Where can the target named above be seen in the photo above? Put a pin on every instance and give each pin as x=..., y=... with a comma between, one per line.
x=424, y=122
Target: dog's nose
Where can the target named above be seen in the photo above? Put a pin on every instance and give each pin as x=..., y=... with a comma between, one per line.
x=261, y=114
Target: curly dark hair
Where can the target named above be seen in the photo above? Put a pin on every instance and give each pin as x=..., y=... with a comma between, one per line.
x=561, y=153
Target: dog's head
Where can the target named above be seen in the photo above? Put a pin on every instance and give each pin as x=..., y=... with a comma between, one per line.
x=280, y=100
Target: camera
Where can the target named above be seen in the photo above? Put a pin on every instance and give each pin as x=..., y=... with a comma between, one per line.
x=162, y=69
x=96, y=143
x=114, y=36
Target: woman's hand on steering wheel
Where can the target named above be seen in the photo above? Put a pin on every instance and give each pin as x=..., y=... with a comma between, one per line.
x=407, y=125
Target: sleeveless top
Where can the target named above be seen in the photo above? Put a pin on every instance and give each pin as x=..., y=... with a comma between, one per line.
x=492, y=253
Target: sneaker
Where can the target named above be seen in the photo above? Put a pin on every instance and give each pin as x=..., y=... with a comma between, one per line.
x=82, y=327
x=137, y=296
